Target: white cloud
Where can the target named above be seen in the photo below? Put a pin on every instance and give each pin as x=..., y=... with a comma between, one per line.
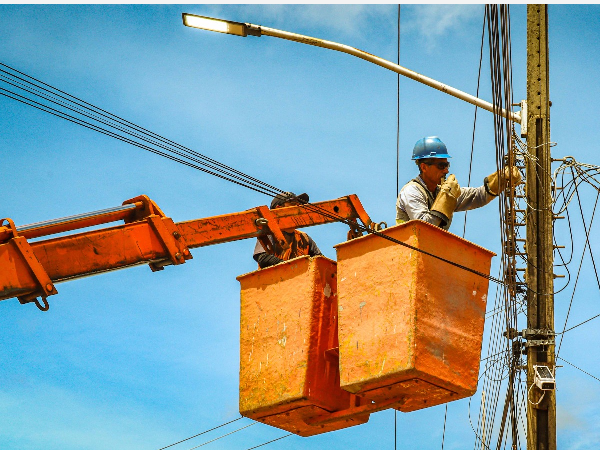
x=430, y=22
x=577, y=412
x=348, y=20
x=433, y=22
x=75, y=422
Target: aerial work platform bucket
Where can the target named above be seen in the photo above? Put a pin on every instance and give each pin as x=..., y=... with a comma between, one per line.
x=289, y=367
x=411, y=325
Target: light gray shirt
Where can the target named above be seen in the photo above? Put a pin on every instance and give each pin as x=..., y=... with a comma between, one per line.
x=414, y=202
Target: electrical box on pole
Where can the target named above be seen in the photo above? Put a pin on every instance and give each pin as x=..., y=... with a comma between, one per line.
x=541, y=411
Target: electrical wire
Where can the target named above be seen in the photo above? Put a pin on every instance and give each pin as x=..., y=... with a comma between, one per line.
x=444, y=430
x=225, y=435
x=395, y=429
x=579, y=324
x=397, y=184
x=578, y=368
x=101, y=130
x=197, y=162
x=269, y=442
x=475, y=115
x=47, y=91
x=200, y=434
x=478, y=438
x=587, y=230
x=398, y=117
x=541, y=398
x=498, y=369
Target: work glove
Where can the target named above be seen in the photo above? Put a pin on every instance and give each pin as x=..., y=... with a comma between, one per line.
x=445, y=202
x=495, y=182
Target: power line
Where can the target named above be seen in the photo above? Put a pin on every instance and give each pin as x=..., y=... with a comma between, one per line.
x=101, y=130
x=578, y=368
x=242, y=180
x=78, y=111
x=475, y=118
x=498, y=369
x=579, y=324
x=287, y=435
x=200, y=434
x=397, y=185
x=395, y=428
x=47, y=91
x=225, y=435
x=398, y=117
x=444, y=430
x=587, y=230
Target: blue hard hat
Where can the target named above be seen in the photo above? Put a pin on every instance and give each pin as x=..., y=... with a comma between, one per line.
x=430, y=147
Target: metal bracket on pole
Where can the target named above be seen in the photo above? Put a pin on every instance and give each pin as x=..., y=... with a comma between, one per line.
x=538, y=343
x=528, y=333
x=524, y=118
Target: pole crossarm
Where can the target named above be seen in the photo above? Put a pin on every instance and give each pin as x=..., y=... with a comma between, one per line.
x=266, y=31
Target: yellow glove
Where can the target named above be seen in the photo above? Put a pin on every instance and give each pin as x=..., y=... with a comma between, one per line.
x=445, y=202
x=494, y=183
x=451, y=185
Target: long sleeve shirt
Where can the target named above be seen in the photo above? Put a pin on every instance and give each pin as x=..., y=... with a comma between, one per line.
x=415, y=200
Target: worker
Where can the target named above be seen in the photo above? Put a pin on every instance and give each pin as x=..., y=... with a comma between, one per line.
x=433, y=198
x=300, y=243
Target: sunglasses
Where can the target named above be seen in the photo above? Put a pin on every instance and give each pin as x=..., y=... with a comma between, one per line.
x=440, y=164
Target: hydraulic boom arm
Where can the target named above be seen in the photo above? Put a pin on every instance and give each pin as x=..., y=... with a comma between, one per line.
x=29, y=270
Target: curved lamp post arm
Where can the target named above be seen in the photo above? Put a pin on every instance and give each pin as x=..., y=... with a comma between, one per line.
x=245, y=29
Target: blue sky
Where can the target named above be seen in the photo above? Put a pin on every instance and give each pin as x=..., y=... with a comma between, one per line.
x=137, y=360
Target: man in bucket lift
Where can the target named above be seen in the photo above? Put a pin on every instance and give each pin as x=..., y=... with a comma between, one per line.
x=433, y=198
x=268, y=253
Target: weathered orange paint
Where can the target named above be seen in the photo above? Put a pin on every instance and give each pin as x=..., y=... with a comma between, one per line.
x=410, y=325
x=46, y=229
x=242, y=225
x=147, y=237
x=289, y=373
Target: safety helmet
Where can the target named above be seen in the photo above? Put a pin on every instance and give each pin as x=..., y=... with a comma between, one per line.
x=430, y=147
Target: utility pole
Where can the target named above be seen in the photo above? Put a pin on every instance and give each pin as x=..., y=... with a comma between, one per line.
x=541, y=418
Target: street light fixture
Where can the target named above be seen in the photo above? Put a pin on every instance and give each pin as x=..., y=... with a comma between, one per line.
x=218, y=25
x=244, y=29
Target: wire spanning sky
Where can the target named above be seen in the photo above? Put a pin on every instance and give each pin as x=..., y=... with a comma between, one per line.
x=139, y=360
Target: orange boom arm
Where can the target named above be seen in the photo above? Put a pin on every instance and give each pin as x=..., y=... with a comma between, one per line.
x=30, y=270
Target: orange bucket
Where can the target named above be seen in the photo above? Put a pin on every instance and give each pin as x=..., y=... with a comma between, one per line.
x=289, y=369
x=410, y=325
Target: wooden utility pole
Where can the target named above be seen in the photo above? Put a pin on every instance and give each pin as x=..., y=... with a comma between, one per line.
x=541, y=418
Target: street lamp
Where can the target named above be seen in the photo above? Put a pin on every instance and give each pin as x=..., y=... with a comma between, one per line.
x=218, y=25
x=245, y=29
